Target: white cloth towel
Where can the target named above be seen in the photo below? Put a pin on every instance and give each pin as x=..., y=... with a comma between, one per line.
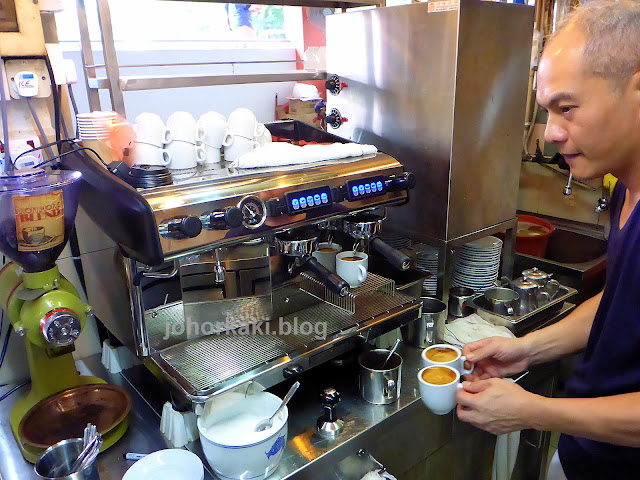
x=504, y=457
x=278, y=154
x=374, y=475
x=472, y=328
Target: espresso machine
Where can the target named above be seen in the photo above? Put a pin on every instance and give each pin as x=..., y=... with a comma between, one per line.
x=221, y=279
x=37, y=212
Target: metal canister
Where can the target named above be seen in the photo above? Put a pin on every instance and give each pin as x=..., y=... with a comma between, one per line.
x=380, y=385
x=429, y=328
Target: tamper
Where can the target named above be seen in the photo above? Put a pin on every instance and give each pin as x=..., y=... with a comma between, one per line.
x=329, y=425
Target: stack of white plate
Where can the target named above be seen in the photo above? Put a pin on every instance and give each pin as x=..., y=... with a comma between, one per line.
x=476, y=264
x=427, y=261
x=395, y=240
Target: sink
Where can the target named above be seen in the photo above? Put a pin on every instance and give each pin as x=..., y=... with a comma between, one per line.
x=577, y=258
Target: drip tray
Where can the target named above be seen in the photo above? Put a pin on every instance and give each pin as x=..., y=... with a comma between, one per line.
x=271, y=351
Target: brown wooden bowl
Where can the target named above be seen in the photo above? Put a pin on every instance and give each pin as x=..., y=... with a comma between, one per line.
x=65, y=414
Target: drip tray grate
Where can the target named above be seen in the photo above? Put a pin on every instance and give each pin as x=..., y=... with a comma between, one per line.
x=202, y=366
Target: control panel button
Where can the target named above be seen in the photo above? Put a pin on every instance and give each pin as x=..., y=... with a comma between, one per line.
x=303, y=202
x=295, y=204
x=316, y=199
x=324, y=198
x=310, y=202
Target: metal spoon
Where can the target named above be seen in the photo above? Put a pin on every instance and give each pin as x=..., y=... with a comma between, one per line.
x=393, y=350
x=268, y=422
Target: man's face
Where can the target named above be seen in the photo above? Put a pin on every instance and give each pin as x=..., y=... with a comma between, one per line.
x=595, y=127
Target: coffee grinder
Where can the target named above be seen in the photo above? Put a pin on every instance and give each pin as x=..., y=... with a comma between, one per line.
x=37, y=213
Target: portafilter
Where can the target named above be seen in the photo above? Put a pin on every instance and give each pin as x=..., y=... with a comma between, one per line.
x=365, y=226
x=300, y=244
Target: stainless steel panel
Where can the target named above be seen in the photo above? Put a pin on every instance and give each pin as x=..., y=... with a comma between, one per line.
x=444, y=93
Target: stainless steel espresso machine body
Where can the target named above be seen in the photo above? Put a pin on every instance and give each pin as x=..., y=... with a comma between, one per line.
x=226, y=289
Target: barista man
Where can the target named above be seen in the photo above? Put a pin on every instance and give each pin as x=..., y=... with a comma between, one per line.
x=589, y=81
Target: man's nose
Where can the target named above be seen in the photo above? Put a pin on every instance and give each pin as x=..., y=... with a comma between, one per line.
x=554, y=133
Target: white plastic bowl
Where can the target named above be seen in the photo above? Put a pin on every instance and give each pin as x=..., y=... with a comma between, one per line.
x=230, y=445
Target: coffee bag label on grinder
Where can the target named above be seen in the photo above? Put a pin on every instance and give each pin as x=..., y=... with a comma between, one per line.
x=39, y=221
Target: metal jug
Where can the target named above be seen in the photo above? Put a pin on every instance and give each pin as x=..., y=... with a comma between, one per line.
x=530, y=293
x=543, y=280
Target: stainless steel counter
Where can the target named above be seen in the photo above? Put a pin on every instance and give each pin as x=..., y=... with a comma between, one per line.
x=402, y=435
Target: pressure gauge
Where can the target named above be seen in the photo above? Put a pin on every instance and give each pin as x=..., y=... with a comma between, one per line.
x=254, y=212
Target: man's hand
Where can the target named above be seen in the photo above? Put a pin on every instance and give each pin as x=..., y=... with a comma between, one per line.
x=495, y=405
x=496, y=357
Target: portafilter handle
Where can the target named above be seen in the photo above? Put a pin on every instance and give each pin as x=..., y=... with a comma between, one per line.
x=395, y=257
x=334, y=282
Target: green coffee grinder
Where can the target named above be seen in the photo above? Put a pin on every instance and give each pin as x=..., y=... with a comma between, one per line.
x=37, y=213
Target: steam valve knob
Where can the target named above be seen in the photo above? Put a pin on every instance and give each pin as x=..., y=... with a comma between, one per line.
x=181, y=227
x=335, y=118
x=230, y=217
x=335, y=85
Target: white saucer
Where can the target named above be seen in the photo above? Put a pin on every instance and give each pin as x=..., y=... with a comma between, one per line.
x=170, y=464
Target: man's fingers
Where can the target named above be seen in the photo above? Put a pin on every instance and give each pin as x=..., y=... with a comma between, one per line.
x=477, y=386
x=472, y=346
x=486, y=350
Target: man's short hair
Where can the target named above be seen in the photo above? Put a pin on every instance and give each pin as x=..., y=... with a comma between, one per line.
x=612, y=37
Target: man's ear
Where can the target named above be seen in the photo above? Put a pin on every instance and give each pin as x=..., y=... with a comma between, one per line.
x=634, y=87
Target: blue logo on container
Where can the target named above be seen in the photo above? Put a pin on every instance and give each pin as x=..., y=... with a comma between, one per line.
x=277, y=446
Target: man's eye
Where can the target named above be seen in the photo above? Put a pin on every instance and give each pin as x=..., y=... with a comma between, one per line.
x=566, y=109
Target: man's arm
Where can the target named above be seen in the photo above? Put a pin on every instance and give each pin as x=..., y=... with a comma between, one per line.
x=499, y=406
x=614, y=419
x=567, y=336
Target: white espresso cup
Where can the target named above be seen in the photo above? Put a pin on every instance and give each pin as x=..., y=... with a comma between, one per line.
x=243, y=122
x=326, y=254
x=150, y=128
x=236, y=146
x=354, y=272
x=184, y=155
x=146, y=154
x=439, y=397
x=445, y=355
x=182, y=127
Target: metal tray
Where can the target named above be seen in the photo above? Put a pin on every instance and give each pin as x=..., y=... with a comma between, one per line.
x=516, y=323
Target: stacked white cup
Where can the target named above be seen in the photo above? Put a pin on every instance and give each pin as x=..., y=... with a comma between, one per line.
x=151, y=136
x=183, y=145
x=211, y=130
x=242, y=131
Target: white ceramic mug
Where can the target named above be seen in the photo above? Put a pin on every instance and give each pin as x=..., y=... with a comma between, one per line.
x=236, y=146
x=439, y=398
x=243, y=122
x=150, y=129
x=456, y=363
x=145, y=154
x=212, y=128
x=184, y=155
x=265, y=137
x=354, y=272
x=182, y=126
x=327, y=259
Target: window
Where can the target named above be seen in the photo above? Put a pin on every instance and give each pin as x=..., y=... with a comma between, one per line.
x=155, y=20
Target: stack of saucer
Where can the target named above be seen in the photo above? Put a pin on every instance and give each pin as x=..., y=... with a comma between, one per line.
x=427, y=261
x=476, y=264
x=95, y=125
x=394, y=240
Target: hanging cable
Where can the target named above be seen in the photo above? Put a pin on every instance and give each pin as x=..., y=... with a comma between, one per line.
x=40, y=129
x=5, y=345
x=69, y=153
x=41, y=147
x=14, y=389
x=56, y=99
x=74, y=105
x=8, y=164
